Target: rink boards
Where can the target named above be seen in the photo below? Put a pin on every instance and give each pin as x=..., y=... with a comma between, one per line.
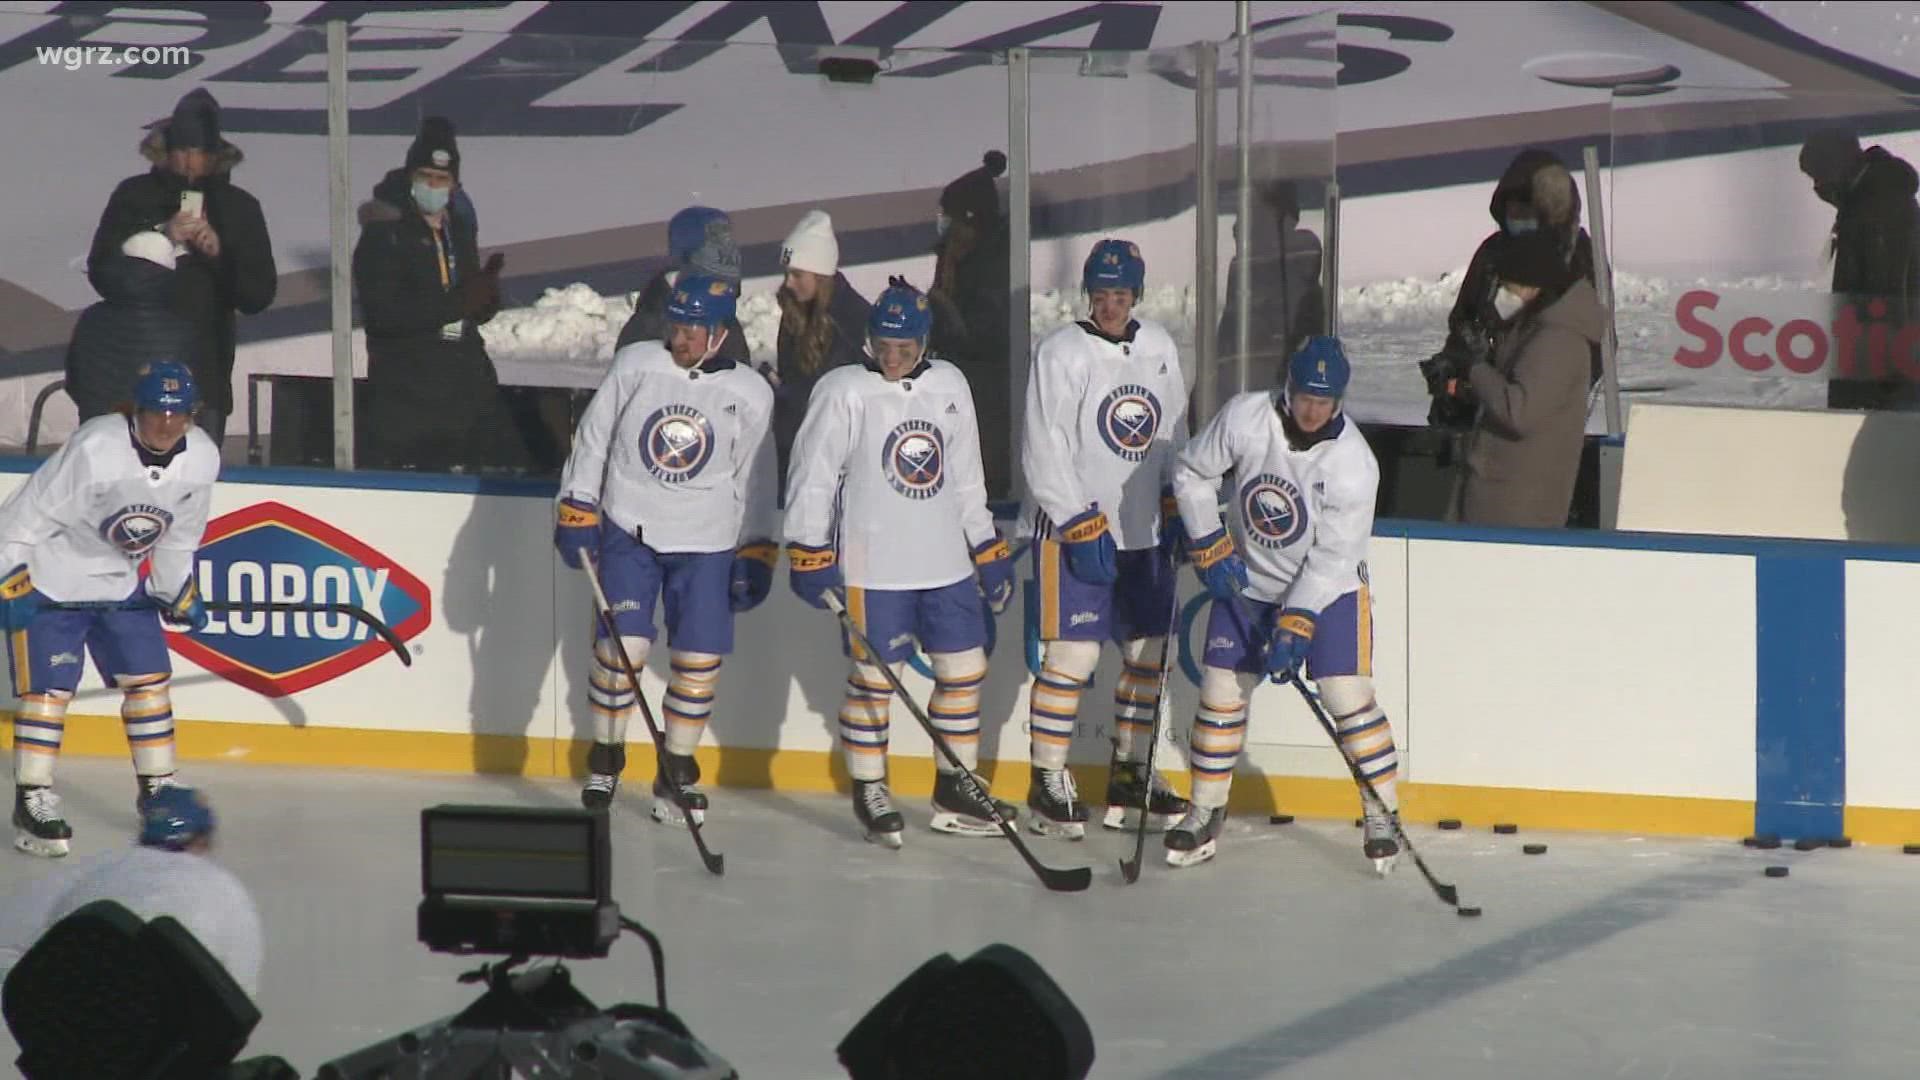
x=1622, y=682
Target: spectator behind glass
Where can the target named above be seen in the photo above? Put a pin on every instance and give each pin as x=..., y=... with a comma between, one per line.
x=227, y=262
x=971, y=322
x=432, y=390
x=823, y=325
x=1289, y=304
x=1872, y=245
x=700, y=239
x=133, y=326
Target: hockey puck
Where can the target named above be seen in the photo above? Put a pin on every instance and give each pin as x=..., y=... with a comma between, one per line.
x=1468, y=912
x=1506, y=830
x=1840, y=842
x=1776, y=871
x=1535, y=849
x=1280, y=819
x=1449, y=823
x=1357, y=822
x=1766, y=843
x=1912, y=849
x=1808, y=843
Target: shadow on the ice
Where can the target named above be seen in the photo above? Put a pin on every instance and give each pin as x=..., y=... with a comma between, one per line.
x=1880, y=470
x=1526, y=949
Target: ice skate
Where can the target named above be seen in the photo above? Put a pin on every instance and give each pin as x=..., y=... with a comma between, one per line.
x=604, y=766
x=1055, y=802
x=873, y=805
x=685, y=771
x=1196, y=838
x=958, y=810
x=150, y=786
x=38, y=828
x=1128, y=788
x=1381, y=843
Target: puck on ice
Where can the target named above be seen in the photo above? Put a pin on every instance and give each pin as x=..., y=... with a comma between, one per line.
x=1535, y=849
x=1506, y=830
x=1841, y=842
x=1776, y=871
x=1468, y=912
x=1280, y=819
x=1449, y=823
x=1807, y=843
x=1357, y=822
x=1912, y=849
x=1766, y=843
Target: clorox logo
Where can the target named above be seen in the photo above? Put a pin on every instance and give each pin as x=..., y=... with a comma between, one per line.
x=271, y=553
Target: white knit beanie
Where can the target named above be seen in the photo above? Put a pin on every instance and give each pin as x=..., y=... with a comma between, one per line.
x=811, y=246
x=150, y=245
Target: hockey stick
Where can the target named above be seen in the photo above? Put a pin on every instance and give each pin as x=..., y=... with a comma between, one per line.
x=1130, y=869
x=1074, y=879
x=716, y=863
x=278, y=607
x=1447, y=893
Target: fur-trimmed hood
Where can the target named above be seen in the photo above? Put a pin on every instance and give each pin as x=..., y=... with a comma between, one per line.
x=153, y=147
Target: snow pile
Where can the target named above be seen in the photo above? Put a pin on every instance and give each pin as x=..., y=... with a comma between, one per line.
x=576, y=326
x=1422, y=301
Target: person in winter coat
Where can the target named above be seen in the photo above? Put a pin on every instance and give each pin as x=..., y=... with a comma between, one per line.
x=1523, y=453
x=700, y=240
x=1873, y=245
x=1288, y=301
x=971, y=321
x=133, y=326
x=432, y=390
x=823, y=325
x=228, y=264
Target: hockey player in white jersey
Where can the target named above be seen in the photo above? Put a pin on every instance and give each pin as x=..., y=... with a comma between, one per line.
x=887, y=501
x=125, y=489
x=1106, y=411
x=1302, y=511
x=670, y=489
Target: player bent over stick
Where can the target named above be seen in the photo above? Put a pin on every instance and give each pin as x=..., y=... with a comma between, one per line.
x=1303, y=514
x=670, y=490
x=894, y=446
x=124, y=489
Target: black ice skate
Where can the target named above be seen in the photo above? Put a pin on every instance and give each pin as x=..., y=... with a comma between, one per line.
x=1055, y=802
x=605, y=763
x=686, y=772
x=149, y=787
x=1193, y=840
x=873, y=805
x=1381, y=843
x=1127, y=789
x=957, y=809
x=38, y=828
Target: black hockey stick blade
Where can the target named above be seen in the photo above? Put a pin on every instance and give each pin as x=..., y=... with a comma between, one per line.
x=715, y=862
x=1130, y=868
x=354, y=611
x=1057, y=879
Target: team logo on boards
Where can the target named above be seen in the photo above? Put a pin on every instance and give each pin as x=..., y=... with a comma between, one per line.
x=1275, y=513
x=134, y=530
x=676, y=443
x=914, y=459
x=269, y=552
x=1129, y=417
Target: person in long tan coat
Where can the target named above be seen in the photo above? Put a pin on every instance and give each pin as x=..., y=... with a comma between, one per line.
x=1523, y=453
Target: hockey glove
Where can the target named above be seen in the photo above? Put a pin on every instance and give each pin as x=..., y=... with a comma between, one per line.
x=18, y=602
x=993, y=561
x=1219, y=566
x=812, y=571
x=185, y=613
x=1091, y=553
x=1173, y=533
x=576, y=529
x=1292, y=640
x=752, y=574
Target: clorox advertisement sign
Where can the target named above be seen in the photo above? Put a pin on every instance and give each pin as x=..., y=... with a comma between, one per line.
x=271, y=553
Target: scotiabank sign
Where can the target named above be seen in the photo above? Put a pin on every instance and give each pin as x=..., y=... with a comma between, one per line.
x=1794, y=333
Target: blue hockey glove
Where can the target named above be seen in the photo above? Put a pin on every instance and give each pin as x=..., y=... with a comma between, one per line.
x=1092, y=555
x=993, y=561
x=1219, y=566
x=1292, y=640
x=185, y=613
x=1173, y=532
x=811, y=571
x=18, y=602
x=576, y=529
x=752, y=574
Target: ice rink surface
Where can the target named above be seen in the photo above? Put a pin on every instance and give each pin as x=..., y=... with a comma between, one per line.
x=1609, y=956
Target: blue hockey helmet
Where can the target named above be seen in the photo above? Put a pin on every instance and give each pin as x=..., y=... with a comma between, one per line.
x=701, y=300
x=165, y=386
x=174, y=817
x=1114, y=264
x=900, y=312
x=1320, y=368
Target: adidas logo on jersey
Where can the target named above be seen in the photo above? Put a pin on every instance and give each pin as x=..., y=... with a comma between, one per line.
x=733, y=410
x=1163, y=369
x=952, y=409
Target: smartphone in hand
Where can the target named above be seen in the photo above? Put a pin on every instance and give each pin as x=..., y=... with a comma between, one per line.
x=193, y=203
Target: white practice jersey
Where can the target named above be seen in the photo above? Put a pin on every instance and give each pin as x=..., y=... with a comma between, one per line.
x=681, y=455
x=1104, y=420
x=889, y=473
x=85, y=520
x=1301, y=518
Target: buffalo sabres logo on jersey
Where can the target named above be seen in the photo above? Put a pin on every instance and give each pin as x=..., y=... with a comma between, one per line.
x=1129, y=417
x=134, y=530
x=1275, y=513
x=914, y=459
x=676, y=443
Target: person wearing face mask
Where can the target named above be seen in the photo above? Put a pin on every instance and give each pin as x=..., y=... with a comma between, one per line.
x=224, y=257
x=1522, y=456
x=1872, y=243
x=432, y=389
x=971, y=321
